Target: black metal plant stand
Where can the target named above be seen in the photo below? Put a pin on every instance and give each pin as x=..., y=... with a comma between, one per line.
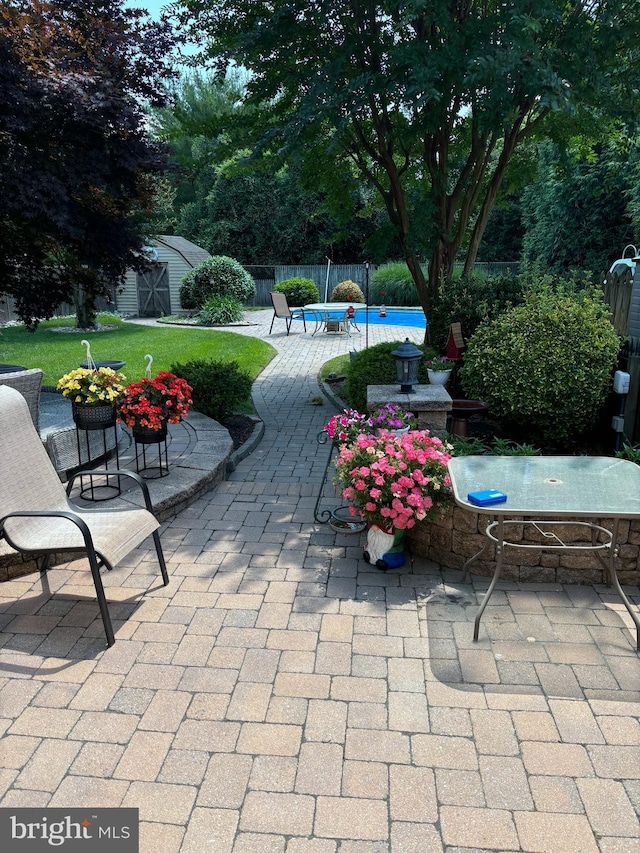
x=103, y=491
x=324, y=516
x=152, y=469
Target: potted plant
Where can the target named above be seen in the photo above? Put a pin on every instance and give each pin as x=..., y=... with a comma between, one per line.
x=391, y=418
x=93, y=395
x=439, y=370
x=149, y=405
x=393, y=481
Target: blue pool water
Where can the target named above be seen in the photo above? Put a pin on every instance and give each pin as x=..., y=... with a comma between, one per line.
x=395, y=317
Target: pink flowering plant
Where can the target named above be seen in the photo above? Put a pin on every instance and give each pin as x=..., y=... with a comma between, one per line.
x=391, y=417
x=346, y=427
x=393, y=481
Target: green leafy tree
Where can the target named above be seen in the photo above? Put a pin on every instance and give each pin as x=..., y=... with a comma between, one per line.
x=577, y=214
x=76, y=162
x=233, y=204
x=428, y=101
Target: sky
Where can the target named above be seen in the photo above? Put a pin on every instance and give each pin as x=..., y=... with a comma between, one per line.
x=153, y=7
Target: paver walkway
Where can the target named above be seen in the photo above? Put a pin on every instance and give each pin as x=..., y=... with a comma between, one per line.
x=280, y=696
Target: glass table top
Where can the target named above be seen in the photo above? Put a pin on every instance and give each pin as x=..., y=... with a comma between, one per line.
x=590, y=486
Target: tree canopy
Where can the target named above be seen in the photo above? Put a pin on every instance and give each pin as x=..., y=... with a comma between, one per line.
x=426, y=99
x=76, y=160
x=260, y=212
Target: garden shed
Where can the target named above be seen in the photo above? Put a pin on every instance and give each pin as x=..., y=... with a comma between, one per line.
x=156, y=291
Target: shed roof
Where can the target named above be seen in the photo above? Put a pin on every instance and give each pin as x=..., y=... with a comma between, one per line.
x=192, y=253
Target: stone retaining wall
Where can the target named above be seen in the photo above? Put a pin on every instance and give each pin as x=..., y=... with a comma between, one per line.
x=459, y=534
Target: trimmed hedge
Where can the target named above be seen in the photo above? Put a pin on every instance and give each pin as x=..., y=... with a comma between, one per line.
x=376, y=366
x=216, y=276
x=219, y=387
x=299, y=291
x=545, y=367
x=347, y=291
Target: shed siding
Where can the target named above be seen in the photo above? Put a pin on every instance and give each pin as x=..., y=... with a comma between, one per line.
x=178, y=267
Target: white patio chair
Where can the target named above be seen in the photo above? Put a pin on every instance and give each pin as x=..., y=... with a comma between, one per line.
x=37, y=516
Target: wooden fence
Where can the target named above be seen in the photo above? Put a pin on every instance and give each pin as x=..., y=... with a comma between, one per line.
x=266, y=277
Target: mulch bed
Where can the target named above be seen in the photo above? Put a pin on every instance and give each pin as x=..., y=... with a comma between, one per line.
x=240, y=428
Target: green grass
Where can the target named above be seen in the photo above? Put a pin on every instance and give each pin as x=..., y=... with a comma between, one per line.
x=339, y=365
x=56, y=353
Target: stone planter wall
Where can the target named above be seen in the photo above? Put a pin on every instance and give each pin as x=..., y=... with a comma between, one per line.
x=459, y=534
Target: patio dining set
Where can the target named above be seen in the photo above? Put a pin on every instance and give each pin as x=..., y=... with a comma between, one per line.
x=332, y=317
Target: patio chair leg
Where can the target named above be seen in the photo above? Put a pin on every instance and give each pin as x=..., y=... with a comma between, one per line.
x=159, y=552
x=102, y=599
x=272, y=319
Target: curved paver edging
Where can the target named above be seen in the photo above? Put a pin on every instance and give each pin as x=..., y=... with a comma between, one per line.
x=248, y=447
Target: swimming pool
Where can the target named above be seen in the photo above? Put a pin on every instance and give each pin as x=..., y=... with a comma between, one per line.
x=395, y=317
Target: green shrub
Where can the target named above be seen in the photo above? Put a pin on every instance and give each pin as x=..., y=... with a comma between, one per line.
x=544, y=366
x=472, y=446
x=347, y=291
x=299, y=291
x=220, y=310
x=216, y=276
x=219, y=387
x=375, y=366
x=470, y=301
x=392, y=284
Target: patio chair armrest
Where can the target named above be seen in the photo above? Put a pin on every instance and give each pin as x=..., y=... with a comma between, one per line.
x=49, y=513
x=95, y=472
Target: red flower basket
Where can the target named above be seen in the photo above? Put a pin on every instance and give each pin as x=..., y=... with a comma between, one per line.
x=153, y=403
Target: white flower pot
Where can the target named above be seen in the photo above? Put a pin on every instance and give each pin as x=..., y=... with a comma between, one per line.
x=438, y=377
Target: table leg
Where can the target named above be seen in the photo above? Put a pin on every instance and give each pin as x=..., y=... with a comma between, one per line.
x=613, y=576
x=496, y=576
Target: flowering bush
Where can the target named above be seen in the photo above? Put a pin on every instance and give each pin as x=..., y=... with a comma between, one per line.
x=103, y=385
x=346, y=427
x=441, y=363
x=394, y=480
x=391, y=417
x=153, y=402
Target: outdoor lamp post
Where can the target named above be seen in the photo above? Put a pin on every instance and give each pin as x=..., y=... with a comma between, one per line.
x=407, y=361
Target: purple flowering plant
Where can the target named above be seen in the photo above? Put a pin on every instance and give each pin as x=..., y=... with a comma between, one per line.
x=391, y=417
x=440, y=363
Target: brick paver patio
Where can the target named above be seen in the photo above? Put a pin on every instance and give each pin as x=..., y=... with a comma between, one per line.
x=281, y=696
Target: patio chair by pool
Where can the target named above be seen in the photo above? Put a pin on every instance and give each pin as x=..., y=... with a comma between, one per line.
x=282, y=311
x=37, y=516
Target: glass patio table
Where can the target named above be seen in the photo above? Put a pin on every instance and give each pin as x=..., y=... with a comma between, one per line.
x=549, y=493
x=325, y=312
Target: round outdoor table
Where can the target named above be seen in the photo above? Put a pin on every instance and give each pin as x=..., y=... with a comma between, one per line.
x=325, y=312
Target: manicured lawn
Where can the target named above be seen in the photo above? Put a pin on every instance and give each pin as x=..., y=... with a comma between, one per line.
x=55, y=353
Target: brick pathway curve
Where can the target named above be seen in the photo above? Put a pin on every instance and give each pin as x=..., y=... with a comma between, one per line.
x=282, y=697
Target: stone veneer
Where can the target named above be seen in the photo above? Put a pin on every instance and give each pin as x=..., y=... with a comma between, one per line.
x=459, y=534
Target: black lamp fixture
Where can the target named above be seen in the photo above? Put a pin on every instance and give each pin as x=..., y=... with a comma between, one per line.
x=407, y=361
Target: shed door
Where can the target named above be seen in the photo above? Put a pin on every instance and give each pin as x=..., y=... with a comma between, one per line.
x=154, y=299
